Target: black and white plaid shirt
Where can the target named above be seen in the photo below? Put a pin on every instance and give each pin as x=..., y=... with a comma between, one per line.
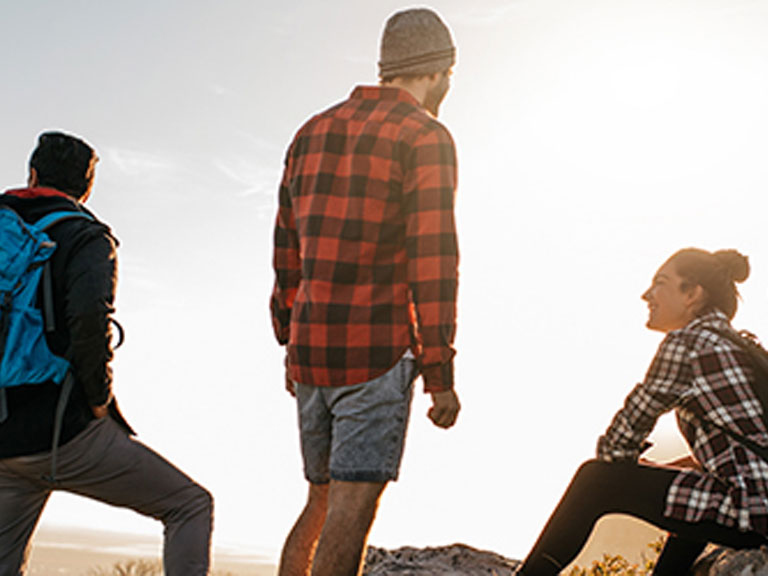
x=705, y=378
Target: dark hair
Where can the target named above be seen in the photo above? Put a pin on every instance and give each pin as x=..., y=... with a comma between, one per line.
x=716, y=272
x=64, y=162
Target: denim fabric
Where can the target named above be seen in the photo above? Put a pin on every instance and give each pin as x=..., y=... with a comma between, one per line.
x=356, y=433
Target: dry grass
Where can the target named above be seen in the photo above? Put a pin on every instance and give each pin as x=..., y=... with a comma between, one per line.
x=139, y=568
x=620, y=566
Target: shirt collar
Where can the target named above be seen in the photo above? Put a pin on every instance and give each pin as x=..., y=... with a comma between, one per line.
x=712, y=319
x=384, y=93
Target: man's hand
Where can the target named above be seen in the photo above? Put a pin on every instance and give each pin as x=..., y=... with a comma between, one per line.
x=445, y=408
x=100, y=411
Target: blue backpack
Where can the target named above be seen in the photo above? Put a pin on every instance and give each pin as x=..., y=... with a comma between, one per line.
x=25, y=252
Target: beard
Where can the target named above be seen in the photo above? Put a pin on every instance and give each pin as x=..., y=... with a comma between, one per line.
x=435, y=96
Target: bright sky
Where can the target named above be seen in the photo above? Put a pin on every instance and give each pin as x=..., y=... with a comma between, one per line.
x=595, y=138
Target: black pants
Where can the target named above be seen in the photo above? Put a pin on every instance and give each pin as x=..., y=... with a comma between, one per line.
x=600, y=488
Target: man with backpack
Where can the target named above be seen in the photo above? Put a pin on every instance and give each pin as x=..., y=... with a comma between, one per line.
x=364, y=299
x=60, y=427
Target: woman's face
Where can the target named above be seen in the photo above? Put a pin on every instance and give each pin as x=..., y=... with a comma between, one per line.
x=669, y=306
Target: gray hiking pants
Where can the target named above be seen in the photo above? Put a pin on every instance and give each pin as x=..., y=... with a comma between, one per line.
x=104, y=463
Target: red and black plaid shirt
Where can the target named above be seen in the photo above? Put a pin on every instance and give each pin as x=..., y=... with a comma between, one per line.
x=705, y=378
x=365, y=253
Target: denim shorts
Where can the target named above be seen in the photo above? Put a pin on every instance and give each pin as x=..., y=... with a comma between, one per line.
x=356, y=433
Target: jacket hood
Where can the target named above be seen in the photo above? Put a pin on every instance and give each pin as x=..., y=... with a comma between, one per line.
x=34, y=203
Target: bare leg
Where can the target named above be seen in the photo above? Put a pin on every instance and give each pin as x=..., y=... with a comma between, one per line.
x=299, y=547
x=351, y=509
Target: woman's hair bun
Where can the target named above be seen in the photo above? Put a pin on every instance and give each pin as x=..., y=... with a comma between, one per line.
x=735, y=263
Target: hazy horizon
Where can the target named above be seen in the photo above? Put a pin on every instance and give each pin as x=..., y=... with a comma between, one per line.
x=71, y=551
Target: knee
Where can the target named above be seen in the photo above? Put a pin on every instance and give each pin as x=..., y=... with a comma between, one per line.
x=589, y=477
x=197, y=504
x=589, y=471
x=584, y=495
x=601, y=478
x=204, y=500
x=318, y=495
x=353, y=502
x=317, y=501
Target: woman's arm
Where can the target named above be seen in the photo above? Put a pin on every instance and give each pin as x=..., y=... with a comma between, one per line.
x=665, y=386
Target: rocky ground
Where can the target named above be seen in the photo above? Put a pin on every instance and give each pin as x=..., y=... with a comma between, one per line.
x=461, y=560
x=724, y=562
x=456, y=560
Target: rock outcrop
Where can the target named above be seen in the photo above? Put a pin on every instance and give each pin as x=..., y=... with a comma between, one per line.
x=725, y=562
x=455, y=560
x=461, y=560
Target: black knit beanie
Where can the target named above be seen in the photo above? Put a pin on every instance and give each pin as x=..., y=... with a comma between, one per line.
x=415, y=42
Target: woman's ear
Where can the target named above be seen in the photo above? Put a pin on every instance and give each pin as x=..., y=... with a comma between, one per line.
x=696, y=298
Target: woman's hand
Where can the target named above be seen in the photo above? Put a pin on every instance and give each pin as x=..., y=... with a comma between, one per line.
x=685, y=463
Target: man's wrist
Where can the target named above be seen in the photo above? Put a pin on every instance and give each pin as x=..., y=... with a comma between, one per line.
x=438, y=378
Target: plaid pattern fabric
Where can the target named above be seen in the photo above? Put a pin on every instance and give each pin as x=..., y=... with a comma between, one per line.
x=365, y=250
x=704, y=378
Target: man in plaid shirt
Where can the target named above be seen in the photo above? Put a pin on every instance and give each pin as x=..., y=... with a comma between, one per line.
x=364, y=299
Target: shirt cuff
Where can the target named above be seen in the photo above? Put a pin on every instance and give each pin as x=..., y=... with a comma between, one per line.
x=438, y=378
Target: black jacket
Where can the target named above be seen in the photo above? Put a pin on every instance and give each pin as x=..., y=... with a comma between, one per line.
x=84, y=272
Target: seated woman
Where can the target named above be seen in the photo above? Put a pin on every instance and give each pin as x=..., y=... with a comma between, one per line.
x=718, y=495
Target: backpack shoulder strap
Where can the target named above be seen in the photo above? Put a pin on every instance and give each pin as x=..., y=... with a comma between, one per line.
x=761, y=451
x=44, y=224
x=54, y=217
x=759, y=359
x=758, y=355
